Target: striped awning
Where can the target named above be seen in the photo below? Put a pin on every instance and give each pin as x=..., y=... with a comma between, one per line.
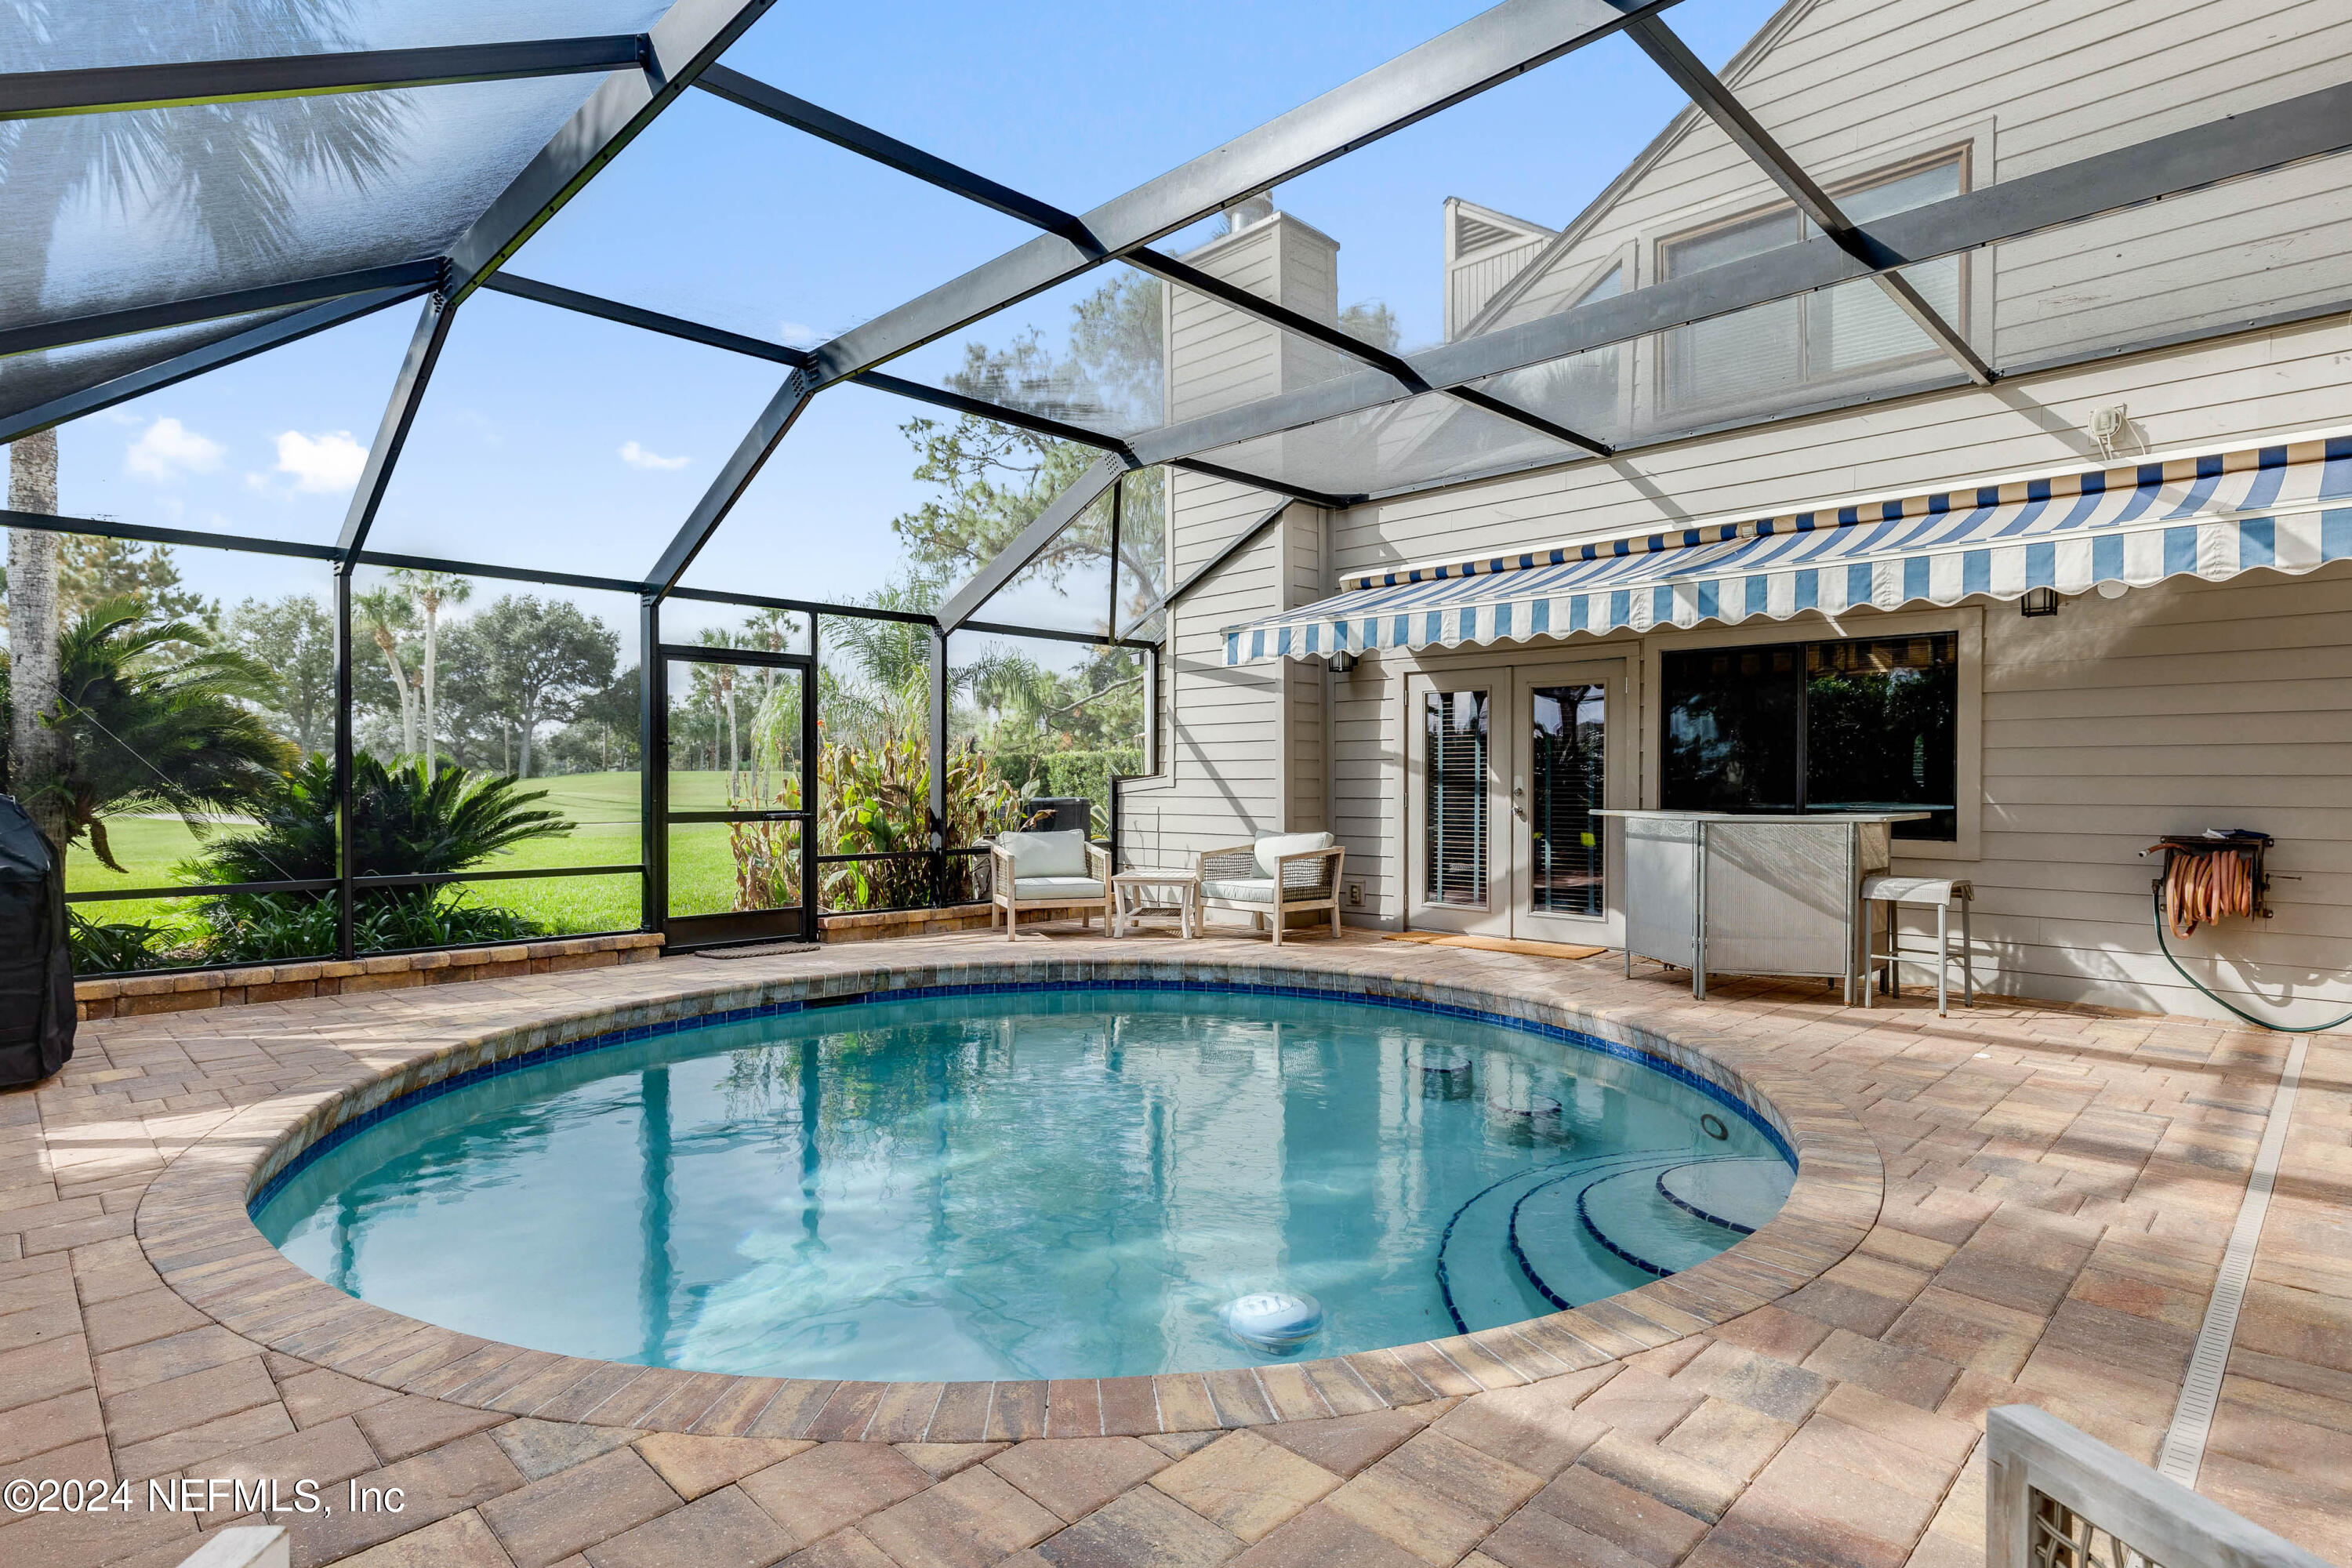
x=2286, y=507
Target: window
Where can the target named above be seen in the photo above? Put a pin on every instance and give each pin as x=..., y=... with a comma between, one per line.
x=1571, y=727
x=1455, y=846
x=1767, y=349
x=1868, y=725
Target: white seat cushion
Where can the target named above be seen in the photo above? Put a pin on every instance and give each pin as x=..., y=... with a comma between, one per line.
x=1078, y=890
x=1251, y=890
x=1281, y=844
x=1929, y=890
x=1060, y=854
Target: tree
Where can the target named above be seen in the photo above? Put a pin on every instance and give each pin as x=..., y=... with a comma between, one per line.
x=387, y=616
x=602, y=735
x=226, y=169
x=35, y=748
x=153, y=717
x=537, y=659
x=431, y=590
x=294, y=638
x=92, y=569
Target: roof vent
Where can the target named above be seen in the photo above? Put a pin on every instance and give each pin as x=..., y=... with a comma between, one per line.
x=1476, y=234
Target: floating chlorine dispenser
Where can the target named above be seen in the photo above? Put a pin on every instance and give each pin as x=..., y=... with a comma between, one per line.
x=1275, y=1321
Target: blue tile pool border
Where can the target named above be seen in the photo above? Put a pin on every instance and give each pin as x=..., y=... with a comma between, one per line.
x=345, y=1131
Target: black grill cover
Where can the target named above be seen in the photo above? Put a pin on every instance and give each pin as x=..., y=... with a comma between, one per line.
x=37, y=992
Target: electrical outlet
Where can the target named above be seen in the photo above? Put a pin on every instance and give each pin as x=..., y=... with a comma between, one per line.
x=1355, y=895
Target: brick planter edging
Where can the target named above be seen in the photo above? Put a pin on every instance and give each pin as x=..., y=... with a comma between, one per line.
x=193, y=1226
x=134, y=995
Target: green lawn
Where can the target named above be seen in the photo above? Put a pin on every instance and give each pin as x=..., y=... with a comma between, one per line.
x=604, y=808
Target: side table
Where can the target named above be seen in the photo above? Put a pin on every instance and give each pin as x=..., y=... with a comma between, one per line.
x=1127, y=889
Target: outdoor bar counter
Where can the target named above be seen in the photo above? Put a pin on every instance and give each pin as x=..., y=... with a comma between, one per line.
x=1752, y=894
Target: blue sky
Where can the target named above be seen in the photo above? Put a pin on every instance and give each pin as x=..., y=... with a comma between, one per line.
x=556, y=439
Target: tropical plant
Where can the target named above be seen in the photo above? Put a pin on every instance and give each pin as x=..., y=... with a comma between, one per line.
x=388, y=617
x=118, y=947
x=153, y=717
x=226, y=170
x=403, y=823
x=269, y=928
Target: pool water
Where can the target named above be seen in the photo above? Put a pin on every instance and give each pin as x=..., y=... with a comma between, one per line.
x=1065, y=1184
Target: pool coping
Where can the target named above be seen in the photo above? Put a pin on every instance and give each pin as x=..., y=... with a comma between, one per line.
x=195, y=1227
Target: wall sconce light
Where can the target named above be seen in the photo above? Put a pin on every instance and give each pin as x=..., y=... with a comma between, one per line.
x=2039, y=602
x=1340, y=663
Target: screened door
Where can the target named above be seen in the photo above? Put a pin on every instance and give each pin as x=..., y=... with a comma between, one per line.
x=1460, y=871
x=737, y=836
x=1565, y=742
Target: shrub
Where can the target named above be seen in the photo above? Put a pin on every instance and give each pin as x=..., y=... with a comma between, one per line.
x=118, y=947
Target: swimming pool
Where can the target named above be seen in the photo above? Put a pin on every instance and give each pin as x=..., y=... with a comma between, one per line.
x=1075, y=1182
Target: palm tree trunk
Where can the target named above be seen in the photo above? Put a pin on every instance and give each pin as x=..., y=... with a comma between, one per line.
x=400, y=683
x=432, y=728
x=35, y=750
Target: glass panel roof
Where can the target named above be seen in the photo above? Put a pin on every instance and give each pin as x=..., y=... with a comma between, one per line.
x=28, y=380
x=553, y=439
x=1090, y=352
x=817, y=521
x=116, y=210
x=74, y=34
x=270, y=447
x=727, y=217
x=1073, y=104
x=1425, y=440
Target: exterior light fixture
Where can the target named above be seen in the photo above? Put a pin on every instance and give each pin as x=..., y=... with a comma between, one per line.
x=2039, y=602
x=1340, y=663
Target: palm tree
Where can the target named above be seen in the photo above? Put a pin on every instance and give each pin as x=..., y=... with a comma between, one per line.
x=431, y=590
x=226, y=169
x=387, y=615
x=151, y=716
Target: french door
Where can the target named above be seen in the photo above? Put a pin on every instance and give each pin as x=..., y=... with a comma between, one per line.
x=1506, y=763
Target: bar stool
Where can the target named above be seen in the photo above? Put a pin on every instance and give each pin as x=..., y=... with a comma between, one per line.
x=1895, y=893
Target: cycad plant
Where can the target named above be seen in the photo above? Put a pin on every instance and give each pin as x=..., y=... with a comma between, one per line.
x=153, y=717
x=404, y=822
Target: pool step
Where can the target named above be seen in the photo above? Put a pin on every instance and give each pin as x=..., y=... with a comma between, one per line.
x=1737, y=1195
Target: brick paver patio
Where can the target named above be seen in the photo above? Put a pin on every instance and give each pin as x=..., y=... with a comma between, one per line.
x=2017, y=1204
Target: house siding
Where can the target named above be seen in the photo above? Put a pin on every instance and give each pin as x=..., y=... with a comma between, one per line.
x=2176, y=708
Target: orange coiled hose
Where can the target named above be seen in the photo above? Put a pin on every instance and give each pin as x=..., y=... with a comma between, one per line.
x=2202, y=887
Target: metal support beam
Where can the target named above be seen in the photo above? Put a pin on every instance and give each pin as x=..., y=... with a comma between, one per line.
x=690, y=36
x=27, y=95
x=346, y=829
x=1492, y=47
x=399, y=414
x=2313, y=125
x=635, y=316
x=195, y=362
x=748, y=92
x=1200, y=573
x=1059, y=514
x=1747, y=133
x=653, y=765
x=750, y=454
x=1334, y=337
x=410, y=274
x=937, y=802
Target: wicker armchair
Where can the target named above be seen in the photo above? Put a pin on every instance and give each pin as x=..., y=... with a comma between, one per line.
x=1047, y=871
x=1304, y=867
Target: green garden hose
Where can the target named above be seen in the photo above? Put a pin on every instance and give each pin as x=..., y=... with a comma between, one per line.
x=2166, y=948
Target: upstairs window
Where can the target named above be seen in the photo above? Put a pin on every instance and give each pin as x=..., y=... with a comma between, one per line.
x=1767, y=351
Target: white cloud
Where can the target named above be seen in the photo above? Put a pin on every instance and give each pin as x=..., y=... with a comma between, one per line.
x=799, y=334
x=323, y=463
x=168, y=451
x=637, y=457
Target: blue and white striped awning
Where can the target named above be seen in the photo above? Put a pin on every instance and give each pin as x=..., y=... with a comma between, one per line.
x=2287, y=506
